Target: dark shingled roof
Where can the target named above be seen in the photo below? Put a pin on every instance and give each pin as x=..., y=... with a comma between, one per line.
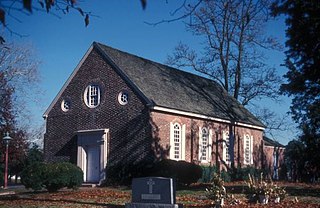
x=175, y=89
x=271, y=142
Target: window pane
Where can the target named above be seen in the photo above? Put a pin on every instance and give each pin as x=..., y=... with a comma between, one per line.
x=205, y=144
x=226, y=146
x=247, y=156
x=177, y=141
x=92, y=96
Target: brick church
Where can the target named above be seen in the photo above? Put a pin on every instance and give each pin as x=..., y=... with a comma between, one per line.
x=118, y=108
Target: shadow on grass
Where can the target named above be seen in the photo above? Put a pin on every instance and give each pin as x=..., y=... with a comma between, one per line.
x=303, y=191
x=17, y=197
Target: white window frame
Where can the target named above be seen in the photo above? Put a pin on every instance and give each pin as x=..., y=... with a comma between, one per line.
x=92, y=95
x=208, y=148
x=65, y=105
x=226, y=145
x=123, y=98
x=248, y=149
x=181, y=144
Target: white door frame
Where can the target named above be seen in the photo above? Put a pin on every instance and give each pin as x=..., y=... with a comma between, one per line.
x=94, y=137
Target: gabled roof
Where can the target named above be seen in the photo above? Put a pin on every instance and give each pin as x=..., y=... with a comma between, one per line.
x=271, y=142
x=164, y=87
x=171, y=88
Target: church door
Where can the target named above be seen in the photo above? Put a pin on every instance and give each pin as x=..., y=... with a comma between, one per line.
x=92, y=154
x=93, y=166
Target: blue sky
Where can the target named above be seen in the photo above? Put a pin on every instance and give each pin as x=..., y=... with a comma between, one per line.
x=60, y=42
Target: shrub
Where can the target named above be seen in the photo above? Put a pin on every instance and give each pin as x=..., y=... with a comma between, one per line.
x=243, y=173
x=76, y=177
x=33, y=176
x=52, y=176
x=226, y=176
x=207, y=172
x=122, y=174
x=188, y=172
x=184, y=172
x=62, y=175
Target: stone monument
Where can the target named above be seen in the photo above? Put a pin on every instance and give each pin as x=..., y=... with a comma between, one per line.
x=153, y=192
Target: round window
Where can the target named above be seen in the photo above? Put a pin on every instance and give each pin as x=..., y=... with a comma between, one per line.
x=123, y=98
x=65, y=105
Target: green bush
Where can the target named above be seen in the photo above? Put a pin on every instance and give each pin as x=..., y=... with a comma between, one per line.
x=122, y=174
x=34, y=176
x=226, y=176
x=52, y=176
x=62, y=175
x=243, y=173
x=184, y=172
x=207, y=172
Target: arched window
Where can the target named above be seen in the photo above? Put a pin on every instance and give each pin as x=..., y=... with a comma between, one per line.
x=205, y=144
x=247, y=149
x=226, y=150
x=177, y=141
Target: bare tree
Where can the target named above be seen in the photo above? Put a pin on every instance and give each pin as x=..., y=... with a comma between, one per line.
x=233, y=47
x=20, y=76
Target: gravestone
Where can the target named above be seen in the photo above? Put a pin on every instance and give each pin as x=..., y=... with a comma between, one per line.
x=155, y=192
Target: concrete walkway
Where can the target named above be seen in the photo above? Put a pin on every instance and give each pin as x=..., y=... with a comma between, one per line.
x=10, y=189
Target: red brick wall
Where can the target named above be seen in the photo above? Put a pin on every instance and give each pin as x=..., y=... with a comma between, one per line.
x=161, y=131
x=130, y=131
x=131, y=127
x=269, y=159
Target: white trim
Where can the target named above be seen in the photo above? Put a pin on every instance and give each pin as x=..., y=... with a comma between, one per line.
x=268, y=146
x=200, y=145
x=196, y=115
x=99, y=142
x=45, y=115
x=91, y=93
x=92, y=130
x=65, y=105
x=250, y=138
x=120, y=96
x=251, y=150
x=82, y=161
x=208, y=147
x=171, y=154
x=183, y=142
x=244, y=149
x=225, y=135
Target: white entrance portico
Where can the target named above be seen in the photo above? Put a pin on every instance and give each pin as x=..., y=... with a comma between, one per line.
x=92, y=154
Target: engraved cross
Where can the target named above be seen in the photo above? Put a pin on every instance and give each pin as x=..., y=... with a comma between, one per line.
x=150, y=184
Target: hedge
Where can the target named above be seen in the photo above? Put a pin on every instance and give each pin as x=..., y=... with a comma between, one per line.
x=52, y=176
x=183, y=172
